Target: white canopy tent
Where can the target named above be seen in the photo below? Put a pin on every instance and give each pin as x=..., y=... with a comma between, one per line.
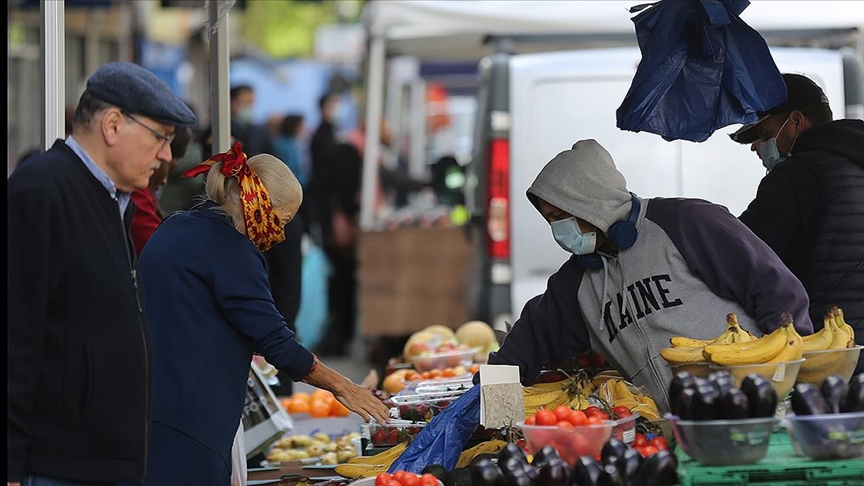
x=459, y=30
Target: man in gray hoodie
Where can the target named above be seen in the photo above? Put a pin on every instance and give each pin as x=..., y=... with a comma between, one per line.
x=642, y=271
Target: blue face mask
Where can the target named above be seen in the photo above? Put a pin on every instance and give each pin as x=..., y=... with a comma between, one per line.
x=768, y=151
x=568, y=235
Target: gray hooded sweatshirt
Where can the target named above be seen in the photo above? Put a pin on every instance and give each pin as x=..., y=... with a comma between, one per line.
x=692, y=263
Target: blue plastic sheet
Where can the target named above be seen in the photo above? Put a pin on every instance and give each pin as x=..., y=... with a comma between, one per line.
x=702, y=69
x=444, y=438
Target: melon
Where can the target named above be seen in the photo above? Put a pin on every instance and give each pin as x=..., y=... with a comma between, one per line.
x=445, y=333
x=477, y=334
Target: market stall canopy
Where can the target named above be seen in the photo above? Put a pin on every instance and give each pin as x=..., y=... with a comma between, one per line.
x=460, y=29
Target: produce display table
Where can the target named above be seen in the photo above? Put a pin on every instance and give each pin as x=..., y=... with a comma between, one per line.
x=781, y=466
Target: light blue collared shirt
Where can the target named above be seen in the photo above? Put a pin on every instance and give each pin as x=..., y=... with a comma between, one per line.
x=122, y=198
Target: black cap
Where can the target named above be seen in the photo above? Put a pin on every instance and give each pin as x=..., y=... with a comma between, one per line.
x=801, y=93
x=136, y=90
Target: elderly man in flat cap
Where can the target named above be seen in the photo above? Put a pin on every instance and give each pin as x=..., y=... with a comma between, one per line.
x=78, y=376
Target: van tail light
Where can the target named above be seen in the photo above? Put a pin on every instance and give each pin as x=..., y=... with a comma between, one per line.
x=498, y=211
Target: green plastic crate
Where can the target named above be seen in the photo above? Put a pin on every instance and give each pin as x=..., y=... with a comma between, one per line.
x=780, y=467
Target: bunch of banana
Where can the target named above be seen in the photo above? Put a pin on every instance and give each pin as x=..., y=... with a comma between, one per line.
x=489, y=447
x=618, y=392
x=370, y=466
x=571, y=391
x=783, y=344
x=835, y=335
x=689, y=350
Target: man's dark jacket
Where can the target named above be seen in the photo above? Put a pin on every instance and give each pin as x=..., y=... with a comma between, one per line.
x=78, y=344
x=810, y=211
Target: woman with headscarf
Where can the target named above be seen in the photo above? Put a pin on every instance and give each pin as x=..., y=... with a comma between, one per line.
x=210, y=308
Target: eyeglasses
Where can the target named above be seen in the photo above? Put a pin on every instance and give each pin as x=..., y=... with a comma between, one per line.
x=165, y=139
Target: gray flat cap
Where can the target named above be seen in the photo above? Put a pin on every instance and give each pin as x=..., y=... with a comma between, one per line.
x=138, y=91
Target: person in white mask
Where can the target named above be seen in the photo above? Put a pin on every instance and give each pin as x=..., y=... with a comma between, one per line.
x=809, y=207
x=642, y=270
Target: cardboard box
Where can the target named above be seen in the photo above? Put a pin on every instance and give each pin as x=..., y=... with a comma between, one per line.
x=412, y=278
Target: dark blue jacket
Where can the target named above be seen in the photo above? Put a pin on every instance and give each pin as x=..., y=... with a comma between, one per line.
x=210, y=308
x=77, y=341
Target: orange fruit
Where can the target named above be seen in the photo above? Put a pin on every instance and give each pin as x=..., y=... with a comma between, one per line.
x=300, y=396
x=435, y=374
x=297, y=406
x=319, y=409
x=321, y=395
x=448, y=373
x=394, y=383
x=338, y=410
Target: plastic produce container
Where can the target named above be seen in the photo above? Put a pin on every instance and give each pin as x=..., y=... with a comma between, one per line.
x=820, y=364
x=781, y=375
x=724, y=442
x=625, y=429
x=699, y=370
x=446, y=359
x=391, y=434
x=828, y=436
x=586, y=440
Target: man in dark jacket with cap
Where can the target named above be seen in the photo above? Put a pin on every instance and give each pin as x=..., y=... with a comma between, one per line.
x=78, y=371
x=810, y=206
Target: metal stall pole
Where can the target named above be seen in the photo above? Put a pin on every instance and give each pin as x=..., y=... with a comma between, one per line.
x=374, y=108
x=53, y=47
x=220, y=114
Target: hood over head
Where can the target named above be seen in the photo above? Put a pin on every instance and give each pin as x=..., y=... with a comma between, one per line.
x=584, y=182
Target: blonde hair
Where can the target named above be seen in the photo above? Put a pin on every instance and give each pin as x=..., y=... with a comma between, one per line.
x=285, y=191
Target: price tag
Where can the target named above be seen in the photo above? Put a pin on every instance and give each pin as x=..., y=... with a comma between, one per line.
x=780, y=372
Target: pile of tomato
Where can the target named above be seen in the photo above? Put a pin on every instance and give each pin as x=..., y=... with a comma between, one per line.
x=650, y=444
x=565, y=417
x=403, y=478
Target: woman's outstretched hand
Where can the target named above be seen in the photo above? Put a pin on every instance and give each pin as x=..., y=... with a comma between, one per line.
x=356, y=398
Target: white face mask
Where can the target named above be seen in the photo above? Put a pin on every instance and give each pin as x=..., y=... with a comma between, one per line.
x=769, y=153
x=569, y=237
x=246, y=115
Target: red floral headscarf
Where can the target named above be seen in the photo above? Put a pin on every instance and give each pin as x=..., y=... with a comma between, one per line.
x=263, y=226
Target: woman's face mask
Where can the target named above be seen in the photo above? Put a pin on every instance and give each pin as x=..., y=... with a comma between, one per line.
x=768, y=151
x=569, y=237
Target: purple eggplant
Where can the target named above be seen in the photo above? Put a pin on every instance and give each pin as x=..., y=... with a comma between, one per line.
x=680, y=381
x=585, y=472
x=761, y=395
x=808, y=400
x=855, y=398
x=706, y=403
x=734, y=405
x=834, y=390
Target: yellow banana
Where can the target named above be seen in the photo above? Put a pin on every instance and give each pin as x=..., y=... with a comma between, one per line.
x=759, y=351
x=841, y=324
x=793, y=349
x=682, y=355
x=359, y=471
x=487, y=447
x=685, y=342
x=821, y=340
x=386, y=458
x=840, y=339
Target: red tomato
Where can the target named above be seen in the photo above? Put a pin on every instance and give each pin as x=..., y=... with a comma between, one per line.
x=399, y=476
x=410, y=480
x=592, y=410
x=393, y=482
x=428, y=480
x=648, y=451
x=578, y=418
x=640, y=441
x=546, y=417
x=382, y=479
x=565, y=424
x=562, y=412
x=532, y=420
x=601, y=415
x=660, y=443
x=594, y=420
x=621, y=411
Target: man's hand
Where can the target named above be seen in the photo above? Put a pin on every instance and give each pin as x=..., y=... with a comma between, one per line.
x=356, y=398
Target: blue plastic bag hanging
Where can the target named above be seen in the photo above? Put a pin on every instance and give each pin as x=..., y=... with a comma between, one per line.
x=441, y=441
x=702, y=69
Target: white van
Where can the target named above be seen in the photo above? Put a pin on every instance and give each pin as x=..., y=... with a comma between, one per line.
x=533, y=106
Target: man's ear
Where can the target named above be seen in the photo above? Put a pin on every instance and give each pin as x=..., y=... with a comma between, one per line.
x=799, y=120
x=110, y=125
